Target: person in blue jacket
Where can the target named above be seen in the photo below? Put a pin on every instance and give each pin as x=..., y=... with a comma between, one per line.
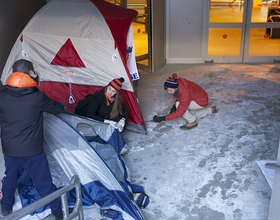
x=21, y=120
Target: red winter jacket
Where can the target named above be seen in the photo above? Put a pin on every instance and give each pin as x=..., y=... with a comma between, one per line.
x=188, y=91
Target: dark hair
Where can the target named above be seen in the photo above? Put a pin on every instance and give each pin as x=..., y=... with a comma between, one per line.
x=117, y=107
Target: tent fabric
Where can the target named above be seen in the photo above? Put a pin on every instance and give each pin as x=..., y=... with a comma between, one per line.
x=75, y=44
x=68, y=56
x=118, y=20
x=83, y=23
x=92, y=150
x=130, y=56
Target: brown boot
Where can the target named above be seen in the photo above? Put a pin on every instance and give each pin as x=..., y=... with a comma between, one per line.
x=189, y=126
x=214, y=109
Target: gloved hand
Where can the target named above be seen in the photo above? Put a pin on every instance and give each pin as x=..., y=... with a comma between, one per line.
x=158, y=119
x=112, y=123
x=121, y=124
x=173, y=109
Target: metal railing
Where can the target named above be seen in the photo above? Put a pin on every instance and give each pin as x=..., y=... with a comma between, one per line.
x=77, y=211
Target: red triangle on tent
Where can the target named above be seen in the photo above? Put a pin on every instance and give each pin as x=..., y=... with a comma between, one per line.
x=68, y=56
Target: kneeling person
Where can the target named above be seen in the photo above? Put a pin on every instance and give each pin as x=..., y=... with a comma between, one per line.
x=190, y=102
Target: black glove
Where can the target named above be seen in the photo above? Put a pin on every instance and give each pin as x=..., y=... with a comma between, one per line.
x=158, y=119
x=173, y=109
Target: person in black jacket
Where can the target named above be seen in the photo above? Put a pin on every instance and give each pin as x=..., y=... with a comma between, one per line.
x=107, y=106
x=21, y=119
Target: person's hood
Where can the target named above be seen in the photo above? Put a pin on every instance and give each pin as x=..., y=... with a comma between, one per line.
x=20, y=80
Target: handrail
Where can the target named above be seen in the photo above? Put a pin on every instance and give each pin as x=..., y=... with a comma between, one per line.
x=78, y=208
x=272, y=166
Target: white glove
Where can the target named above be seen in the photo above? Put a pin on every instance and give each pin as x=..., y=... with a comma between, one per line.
x=112, y=123
x=121, y=124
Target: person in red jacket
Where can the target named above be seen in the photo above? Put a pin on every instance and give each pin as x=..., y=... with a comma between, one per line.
x=190, y=102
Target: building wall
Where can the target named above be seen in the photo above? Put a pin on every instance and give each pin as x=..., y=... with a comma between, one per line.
x=14, y=15
x=184, y=31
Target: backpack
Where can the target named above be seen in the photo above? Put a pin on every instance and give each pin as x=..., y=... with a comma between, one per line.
x=82, y=106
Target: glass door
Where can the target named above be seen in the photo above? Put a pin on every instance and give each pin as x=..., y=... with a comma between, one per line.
x=262, y=43
x=243, y=31
x=226, y=31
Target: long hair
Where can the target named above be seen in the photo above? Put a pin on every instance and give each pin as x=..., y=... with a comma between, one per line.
x=117, y=107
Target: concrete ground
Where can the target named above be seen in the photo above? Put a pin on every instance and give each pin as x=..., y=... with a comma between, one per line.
x=209, y=172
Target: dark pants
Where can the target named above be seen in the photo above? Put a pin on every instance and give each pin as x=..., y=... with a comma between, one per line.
x=38, y=170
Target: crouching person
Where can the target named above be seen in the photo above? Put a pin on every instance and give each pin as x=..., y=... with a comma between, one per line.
x=190, y=102
x=21, y=119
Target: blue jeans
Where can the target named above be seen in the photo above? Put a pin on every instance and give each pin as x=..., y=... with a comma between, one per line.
x=38, y=170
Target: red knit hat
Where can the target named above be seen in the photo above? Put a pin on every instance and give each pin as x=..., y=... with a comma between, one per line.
x=117, y=83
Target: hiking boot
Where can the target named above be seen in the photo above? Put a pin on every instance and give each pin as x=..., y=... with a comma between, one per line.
x=6, y=212
x=214, y=109
x=189, y=126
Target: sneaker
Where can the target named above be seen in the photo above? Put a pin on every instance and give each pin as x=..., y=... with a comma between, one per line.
x=6, y=212
x=189, y=126
x=214, y=109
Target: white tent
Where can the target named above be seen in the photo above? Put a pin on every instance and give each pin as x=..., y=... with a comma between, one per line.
x=77, y=47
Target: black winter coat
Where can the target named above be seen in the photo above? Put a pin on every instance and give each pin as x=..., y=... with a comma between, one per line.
x=97, y=108
x=21, y=120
